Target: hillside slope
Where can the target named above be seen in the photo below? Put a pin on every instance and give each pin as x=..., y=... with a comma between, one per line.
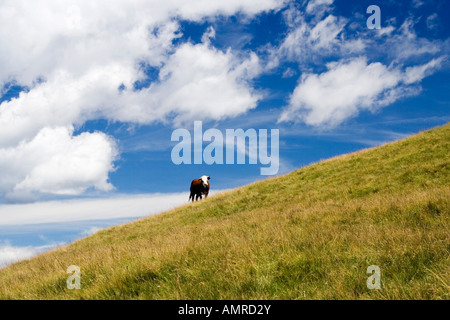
x=310, y=234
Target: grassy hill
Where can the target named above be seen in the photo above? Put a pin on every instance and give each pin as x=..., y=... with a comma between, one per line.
x=310, y=234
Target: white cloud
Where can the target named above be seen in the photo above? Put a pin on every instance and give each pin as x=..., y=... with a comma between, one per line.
x=314, y=5
x=120, y=206
x=73, y=57
x=46, y=36
x=57, y=162
x=385, y=31
x=91, y=231
x=10, y=254
x=432, y=21
x=324, y=34
x=289, y=72
x=316, y=36
x=310, y=40
x=84, y=65
x=88, y=214
x=313, y=38
x=417, y=73
x=417, y=3
x=349, y=87
x=405, y=45
x=62, y=100
x=197, y=82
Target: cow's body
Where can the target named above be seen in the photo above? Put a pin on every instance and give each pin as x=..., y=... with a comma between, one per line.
x=199, y=187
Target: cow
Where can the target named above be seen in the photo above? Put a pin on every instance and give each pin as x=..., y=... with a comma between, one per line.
x=199, y=187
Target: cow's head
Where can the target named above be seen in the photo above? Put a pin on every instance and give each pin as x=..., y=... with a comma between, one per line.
x=205, y=181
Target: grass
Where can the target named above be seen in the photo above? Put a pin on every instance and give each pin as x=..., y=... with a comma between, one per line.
x=310, y=234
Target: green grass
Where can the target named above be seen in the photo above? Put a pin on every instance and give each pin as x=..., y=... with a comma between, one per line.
x=310, y=234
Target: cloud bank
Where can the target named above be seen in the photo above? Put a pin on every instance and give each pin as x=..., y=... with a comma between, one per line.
x=55, y=217
x=121, y=206
x=10, y=254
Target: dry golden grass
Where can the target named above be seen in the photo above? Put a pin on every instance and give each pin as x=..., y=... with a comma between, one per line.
x=310, y=234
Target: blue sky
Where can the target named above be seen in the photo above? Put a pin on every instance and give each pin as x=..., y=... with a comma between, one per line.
x=91, y=93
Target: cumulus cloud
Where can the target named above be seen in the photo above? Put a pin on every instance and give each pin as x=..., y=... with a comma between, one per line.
x=57, y=162
x=348, y=87
x=197, y=82
x=74, y=56
x=45, y=36
x=64, y=99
